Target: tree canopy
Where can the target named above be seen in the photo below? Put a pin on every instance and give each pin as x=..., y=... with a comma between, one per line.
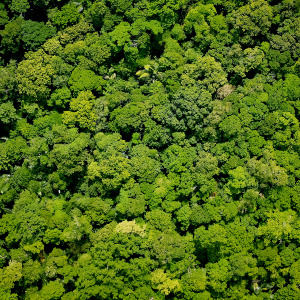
x=150, y=149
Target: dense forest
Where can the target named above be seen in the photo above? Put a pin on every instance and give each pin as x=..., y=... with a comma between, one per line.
x=149, y=149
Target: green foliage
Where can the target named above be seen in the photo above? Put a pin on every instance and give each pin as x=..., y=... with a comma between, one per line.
x=7, y=113
x=11, y=36
x=10, y=274
x=34, y=34
x=19, y=6
x=3, y=15
x=252, y=19
x=120, y=5
x=72, y=157
x=131, y=202
x=53, y=290
x=82, y=80
x=34, y=75
x=60, y=97
x=11, y=152
x=149, y=149
x=82, y=111
x=68, y=15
